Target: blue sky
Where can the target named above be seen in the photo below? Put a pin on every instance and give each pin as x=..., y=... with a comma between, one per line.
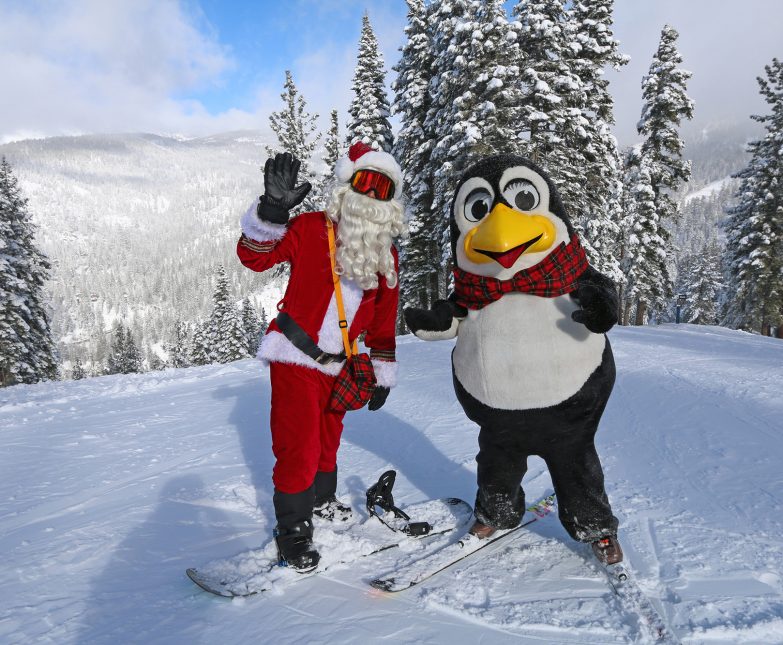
x=197, y=67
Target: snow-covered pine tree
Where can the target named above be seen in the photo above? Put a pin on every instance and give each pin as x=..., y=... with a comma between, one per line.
x=550, y=113
x=665, y=105
x=228, y=339
x=702, y=282
x=263, y=324
x=178, y=348
x=421, y=251
x=251, y=325
x=154, y=362
x=660, y=155
x=601, y=168
x=295, y=129
x=27, y=352
x=333, y=149
x=133, y=357
x=369, y=108
x=645, y=243
x=115, y=363
x=452, y=74
x=755, y=225
x=474, y=104
x=77, y=371
x=201, y=346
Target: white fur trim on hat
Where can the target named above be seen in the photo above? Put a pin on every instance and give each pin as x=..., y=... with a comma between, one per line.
x=376, y=160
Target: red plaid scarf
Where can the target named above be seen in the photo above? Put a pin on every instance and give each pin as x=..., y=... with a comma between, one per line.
x=554, y=276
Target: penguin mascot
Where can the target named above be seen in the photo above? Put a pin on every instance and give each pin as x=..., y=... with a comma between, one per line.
x=532, y=365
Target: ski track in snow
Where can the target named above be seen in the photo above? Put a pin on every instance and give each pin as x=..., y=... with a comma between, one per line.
x=111, y=487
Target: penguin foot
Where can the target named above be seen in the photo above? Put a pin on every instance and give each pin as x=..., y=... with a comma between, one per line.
x=482, y=531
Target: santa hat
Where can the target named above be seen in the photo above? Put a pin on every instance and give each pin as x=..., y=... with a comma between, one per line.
x=360, y=155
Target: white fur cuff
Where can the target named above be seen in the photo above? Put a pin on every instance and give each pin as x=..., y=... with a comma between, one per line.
x=258, y=230
x=385, y=373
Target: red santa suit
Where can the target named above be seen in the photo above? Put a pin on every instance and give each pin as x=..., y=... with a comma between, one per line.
x=305, y=432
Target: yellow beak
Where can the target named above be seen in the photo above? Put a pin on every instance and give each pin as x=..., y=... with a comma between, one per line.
x=506, y=234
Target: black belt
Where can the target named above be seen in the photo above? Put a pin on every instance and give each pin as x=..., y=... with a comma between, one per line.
x=299, y=339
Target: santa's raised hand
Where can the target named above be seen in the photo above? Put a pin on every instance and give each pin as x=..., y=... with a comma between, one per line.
x=281, y=193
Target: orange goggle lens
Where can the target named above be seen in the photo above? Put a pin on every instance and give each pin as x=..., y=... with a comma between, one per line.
x=363, y=181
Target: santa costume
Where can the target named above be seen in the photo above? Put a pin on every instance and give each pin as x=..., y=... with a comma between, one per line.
x=304, y=344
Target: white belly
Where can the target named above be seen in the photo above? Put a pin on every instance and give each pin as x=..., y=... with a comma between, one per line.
x=524, y=352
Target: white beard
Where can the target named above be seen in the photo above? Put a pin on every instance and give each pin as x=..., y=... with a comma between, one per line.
x=366, y=229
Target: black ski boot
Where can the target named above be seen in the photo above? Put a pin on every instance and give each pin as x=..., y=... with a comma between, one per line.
x=295, y=546
x=327, y=506
x=294, y=532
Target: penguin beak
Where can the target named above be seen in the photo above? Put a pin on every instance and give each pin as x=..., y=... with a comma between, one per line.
x=505, y=234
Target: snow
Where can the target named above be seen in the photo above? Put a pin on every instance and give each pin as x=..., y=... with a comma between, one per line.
x=708, y=190
x=111, y=487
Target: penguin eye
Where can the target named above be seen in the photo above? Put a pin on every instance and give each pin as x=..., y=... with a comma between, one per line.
x=478, y=204
x=521, y=194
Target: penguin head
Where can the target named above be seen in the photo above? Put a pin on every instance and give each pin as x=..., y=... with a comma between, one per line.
x=506, y=216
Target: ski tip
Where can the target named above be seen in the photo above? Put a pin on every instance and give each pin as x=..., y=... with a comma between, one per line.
x=383, y=585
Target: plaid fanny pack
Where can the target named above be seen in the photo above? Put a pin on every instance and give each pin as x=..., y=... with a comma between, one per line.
x=356, y=381
x=354, y=384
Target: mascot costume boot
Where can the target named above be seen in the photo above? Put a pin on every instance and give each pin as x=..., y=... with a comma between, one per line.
x=532, y=365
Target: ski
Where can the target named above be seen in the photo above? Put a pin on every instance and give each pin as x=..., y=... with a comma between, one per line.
x=425, y=568
x=635, y=602
x=258, y=570
x=630, y=597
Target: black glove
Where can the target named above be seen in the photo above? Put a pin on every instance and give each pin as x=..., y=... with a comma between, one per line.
x=281, y=192
x=378, y=398
x=598, y=307
x=439, y=318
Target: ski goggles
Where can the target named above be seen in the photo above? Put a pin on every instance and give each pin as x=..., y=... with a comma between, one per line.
x=366, y=179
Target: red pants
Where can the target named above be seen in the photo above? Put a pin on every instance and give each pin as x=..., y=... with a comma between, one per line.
x=305, y=433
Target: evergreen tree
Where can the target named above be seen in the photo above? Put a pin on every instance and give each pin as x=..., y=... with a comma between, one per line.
x=178, y=349
x=473, y=102
x=369, y=108
x=27, y=352
x=702, y=284
x=332, y=148
x=644, y=256
x=599, y=211
x=263, y=325
x=132, y=358
x=660, y=157
x=77, y=372
x=552, y=92
x=755, y=225
x=155, y=362
x=227, y=336
x=665, y=105
x=295, y=129
x=421, y=251
x=450, y=75
x=251, y=325
x=201, y=347
x=115, y=363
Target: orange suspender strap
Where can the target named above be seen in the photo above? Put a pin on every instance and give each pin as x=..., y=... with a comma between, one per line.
x=338, y=294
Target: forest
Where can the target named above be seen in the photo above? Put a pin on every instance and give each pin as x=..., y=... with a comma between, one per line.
x=135, y=234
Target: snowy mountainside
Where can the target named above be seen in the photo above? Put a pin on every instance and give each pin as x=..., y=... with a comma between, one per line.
x=110, y=487
x=135, y=224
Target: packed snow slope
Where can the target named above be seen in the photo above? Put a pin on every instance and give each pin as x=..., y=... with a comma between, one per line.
x=111, y=487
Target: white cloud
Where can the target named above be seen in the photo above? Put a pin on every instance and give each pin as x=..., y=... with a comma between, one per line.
x=724, y=43
x=93, y=66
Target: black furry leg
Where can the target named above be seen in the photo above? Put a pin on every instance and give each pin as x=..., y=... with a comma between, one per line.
x=578, y=479
x=500, y=500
